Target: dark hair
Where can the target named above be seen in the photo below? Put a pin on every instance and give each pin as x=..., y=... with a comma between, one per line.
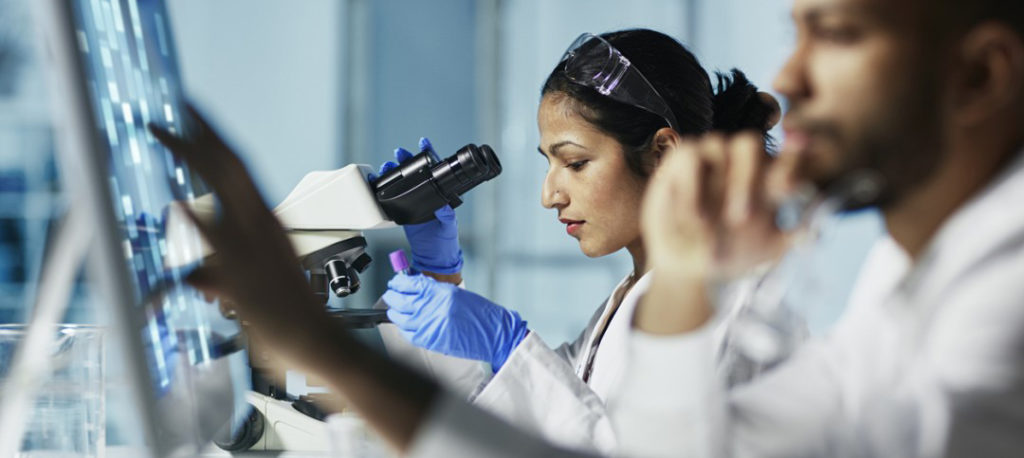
x=681, y=81
x=965, y=14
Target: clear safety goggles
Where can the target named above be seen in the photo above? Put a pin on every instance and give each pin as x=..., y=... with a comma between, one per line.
x=593, y=62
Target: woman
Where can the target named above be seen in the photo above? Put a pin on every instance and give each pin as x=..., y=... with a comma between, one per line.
x=609, y=110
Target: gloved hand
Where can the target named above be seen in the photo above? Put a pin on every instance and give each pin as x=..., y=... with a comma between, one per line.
x=447, y=319
x=435, y=243
x=402, y=155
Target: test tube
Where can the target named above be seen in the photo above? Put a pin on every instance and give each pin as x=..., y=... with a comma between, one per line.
x=399, y=263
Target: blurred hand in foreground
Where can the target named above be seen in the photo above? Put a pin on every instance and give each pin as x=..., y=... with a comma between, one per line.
x=255, y=265
x=709, y=215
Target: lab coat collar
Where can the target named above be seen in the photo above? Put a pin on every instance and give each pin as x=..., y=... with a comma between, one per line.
x=612, y=353
x=626, y=302
x=976, y=231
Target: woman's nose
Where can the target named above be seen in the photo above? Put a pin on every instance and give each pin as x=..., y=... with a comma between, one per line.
x=552, y=196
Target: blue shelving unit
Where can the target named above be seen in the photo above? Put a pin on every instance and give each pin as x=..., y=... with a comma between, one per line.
x=30, y=196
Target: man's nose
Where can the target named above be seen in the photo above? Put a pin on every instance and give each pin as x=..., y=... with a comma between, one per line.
x=791, y=81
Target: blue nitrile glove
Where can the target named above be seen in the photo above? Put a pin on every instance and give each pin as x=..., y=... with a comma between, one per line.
x=447, y=319
x=435, y=243
x=402, y=155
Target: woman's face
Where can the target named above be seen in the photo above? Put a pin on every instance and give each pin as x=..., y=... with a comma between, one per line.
x=588, y=182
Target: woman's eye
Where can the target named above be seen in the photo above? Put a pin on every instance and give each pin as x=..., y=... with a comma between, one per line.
x=577, y=165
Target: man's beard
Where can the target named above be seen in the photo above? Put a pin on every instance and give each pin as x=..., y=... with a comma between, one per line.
x=898, y=152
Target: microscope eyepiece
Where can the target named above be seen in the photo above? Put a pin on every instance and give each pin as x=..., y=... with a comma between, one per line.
x=411, y=192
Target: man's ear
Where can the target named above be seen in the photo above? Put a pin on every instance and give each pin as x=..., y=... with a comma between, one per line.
x=990, y=77
x=665, y=139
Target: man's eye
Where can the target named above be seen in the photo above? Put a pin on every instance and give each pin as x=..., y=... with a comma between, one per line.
x=577, y=165
x=838, y=35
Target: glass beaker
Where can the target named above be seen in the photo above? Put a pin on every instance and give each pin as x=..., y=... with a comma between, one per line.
x=67, y=418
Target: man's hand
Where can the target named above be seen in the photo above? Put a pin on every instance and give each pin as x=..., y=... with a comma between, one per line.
x=256, y=267
x=708, y=215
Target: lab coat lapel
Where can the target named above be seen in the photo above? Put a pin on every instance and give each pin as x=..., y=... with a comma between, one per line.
x=602, y=323
x=612, y=356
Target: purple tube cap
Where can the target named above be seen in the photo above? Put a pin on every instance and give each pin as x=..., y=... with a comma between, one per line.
x=399, y=263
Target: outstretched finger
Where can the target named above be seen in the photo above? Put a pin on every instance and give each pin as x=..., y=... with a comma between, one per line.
x=207, y=229
x=426, y=146
x=223, y=171
x=207, y=281
x=409, y=284
x=745, y=193
x=186, y=151
x=399, y=301
x=387, y=167
x=211, y=144
x=679, y=177
x=713, y=171
x=402, y=155
x=404, y=321
x=205, y=134
x=202, y=278
x=177, y=145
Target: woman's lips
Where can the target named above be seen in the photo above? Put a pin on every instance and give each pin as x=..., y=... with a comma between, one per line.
x=571, y=226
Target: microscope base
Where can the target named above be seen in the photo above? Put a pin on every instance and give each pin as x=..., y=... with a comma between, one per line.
x=286, y=428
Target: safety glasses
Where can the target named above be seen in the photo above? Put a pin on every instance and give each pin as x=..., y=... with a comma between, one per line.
x=593, y=62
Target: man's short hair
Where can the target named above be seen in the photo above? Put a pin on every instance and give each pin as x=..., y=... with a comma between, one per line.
x=965, y=14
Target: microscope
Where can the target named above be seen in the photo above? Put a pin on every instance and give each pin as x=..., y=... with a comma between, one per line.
x=324, y=217
x=325, y=213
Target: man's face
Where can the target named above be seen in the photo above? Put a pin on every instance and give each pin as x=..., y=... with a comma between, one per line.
x=862, y=94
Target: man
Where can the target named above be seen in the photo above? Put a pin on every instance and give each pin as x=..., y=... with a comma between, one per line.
x=923, y=103
x=923, y=100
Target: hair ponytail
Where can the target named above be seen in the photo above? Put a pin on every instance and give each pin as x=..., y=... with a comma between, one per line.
x=739, y=106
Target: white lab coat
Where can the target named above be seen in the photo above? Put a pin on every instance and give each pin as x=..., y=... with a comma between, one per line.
x=540, y=389
x=927, y=360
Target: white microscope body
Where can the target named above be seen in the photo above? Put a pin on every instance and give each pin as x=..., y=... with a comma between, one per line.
x=313, y=215
x=324, y=217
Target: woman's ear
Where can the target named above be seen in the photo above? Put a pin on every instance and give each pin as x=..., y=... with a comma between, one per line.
x=664, y=140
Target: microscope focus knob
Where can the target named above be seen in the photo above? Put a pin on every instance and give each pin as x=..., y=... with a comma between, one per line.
x=342, y=279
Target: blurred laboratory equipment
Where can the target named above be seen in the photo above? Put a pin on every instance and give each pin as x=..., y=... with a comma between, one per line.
x=67, y=416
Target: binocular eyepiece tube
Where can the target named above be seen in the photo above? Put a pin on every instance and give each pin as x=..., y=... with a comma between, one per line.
x=413, y=191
